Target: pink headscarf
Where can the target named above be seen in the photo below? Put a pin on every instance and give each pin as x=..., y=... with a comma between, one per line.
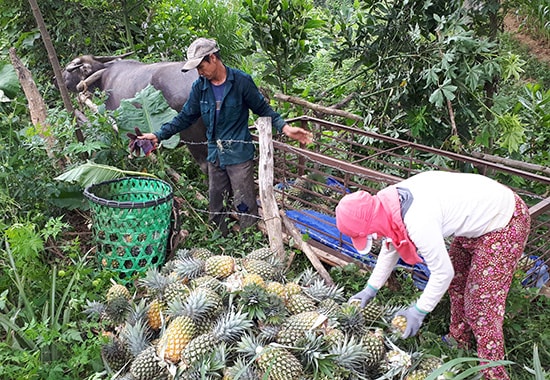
x=360, y=214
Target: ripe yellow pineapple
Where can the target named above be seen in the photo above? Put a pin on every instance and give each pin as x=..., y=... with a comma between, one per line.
x=219, y=266
x=399, y=323
x=297, y=325
x=276, y=288
x=177, y=335
x=252, y=278
x=292, y=288
x=154, y=314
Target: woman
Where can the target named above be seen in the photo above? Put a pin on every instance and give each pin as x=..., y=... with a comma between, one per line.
x=490, y=225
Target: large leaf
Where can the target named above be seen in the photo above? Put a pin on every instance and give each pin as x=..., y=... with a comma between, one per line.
x=91, y=173
x=152, y=112
x=9, y=84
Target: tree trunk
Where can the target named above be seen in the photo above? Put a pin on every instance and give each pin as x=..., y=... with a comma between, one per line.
x=52, y=56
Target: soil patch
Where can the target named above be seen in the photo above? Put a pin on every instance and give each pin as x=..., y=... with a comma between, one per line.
x=538, y=48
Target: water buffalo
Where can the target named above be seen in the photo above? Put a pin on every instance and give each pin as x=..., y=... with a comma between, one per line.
x=122, y=78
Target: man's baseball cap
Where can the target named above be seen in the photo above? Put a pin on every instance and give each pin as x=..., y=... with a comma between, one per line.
x=196, y=52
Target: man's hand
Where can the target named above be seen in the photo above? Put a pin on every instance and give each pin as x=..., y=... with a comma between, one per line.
x=364, y=296
x=139, y=143
x=298, y=134
x=414, y=317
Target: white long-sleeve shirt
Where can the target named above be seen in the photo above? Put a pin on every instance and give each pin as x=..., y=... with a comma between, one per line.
x=445, y=204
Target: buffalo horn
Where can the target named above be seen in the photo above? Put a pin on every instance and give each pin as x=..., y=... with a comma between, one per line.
x=108, y=58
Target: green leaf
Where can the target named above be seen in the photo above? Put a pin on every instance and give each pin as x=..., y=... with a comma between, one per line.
x=9, y=84
x=152, y=112
x=91, y=173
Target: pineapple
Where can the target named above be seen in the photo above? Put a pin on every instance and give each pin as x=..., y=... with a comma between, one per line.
x=155, y=314
x=399, y=323
x=373, y=311
x=174, y=339
x=374, y=343
x=260, y=267
x=146, y=365
x=328, y=307
x=292, y=288
x=349, y=354
x=227, y=329
x=117, y=310
x=175, y=290
x=200, y=253
x=297, y=325
x=252, y=278
x=206, y=282
x=276, y=288
x=278, y=363
x=136, y=336
x=319, y=290
x=417, y=374
x=201, y=305
x=219, y=266
x=333, y=335
x=117, y=290
x=254, y=299
x=115, y=354
x=298, y=303
x=260, y=254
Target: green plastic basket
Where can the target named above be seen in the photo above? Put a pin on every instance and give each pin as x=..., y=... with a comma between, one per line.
x=130, y=223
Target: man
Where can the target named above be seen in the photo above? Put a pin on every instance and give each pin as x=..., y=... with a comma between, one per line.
x=224, y=96
x=490, y=224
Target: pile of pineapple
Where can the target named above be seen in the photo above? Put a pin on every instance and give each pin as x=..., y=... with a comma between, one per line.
x=208, y=316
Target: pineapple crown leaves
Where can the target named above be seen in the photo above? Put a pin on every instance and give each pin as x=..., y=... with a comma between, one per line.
x=137, y=311
x=319, y=290
x=349, y=353
x=189, y=267
x=117, y=310
x=254, y=300
x=314, y=354
x=231, y=325
x=198, y=305
x=137, y=336
x=94, y=309
x=248, y=345
x=241, y=369
x=154, y=282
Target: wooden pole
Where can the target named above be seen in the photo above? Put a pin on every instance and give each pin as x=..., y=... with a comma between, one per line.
x=270, y=210
x=306, y=248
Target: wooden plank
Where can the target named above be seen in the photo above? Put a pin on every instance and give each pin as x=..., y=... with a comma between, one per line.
x=270, y=209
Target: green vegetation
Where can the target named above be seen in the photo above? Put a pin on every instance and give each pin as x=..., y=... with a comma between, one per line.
x=427, y=71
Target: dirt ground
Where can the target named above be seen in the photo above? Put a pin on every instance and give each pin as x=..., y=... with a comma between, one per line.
x=540, y=49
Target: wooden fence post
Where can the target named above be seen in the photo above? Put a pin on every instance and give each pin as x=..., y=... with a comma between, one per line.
x=270, y=209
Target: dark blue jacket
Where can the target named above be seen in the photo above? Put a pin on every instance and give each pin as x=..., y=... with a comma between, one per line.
x=230, y=139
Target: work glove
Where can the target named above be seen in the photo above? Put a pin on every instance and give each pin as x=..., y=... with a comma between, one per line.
x=136, y=146
x=414, y=317
x=364, y=295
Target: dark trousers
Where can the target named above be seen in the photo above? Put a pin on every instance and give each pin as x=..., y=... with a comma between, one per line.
x=234, y=183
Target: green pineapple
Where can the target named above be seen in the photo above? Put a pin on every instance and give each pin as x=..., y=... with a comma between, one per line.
x=292, y=288
x=374, y=343
x=298, y=303
x=205, y=282
x=219, y=266
x=430, y=363
x=373, y=311
x=296, y=326
x=263, y=253
x=146, y=365
x=200, y=253
x=260, y=267
x=175, y=290
x=115, y=354
x=278, y=363
x=329, y=307
x=277, y=288
x=227, y=329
